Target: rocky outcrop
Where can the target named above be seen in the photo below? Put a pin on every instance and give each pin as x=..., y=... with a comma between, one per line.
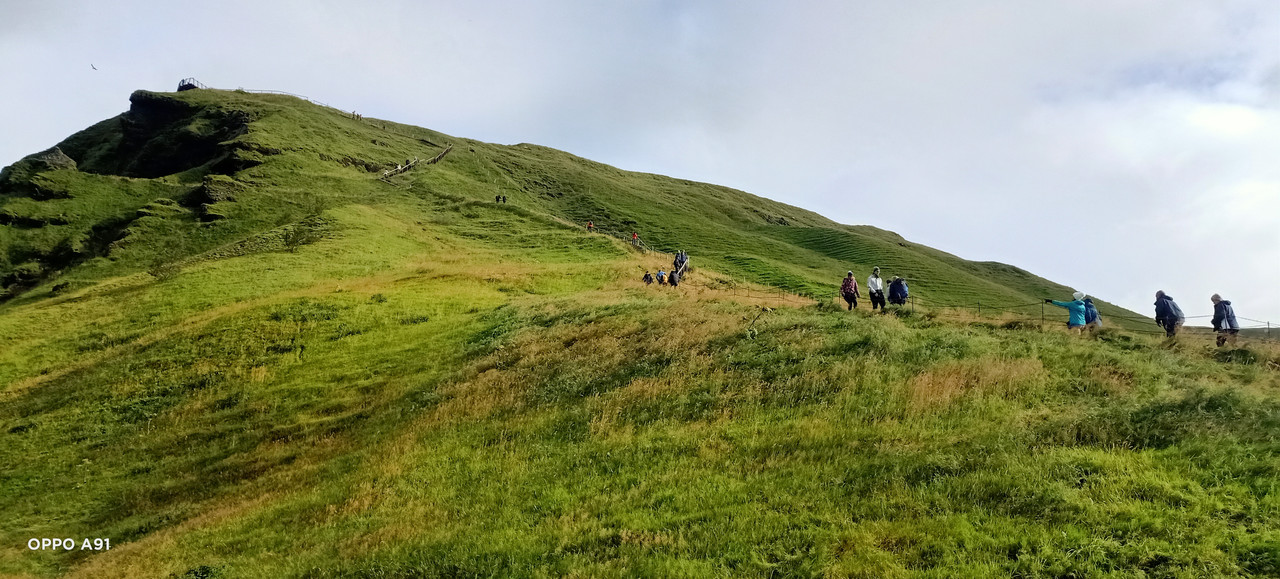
x=16, y=178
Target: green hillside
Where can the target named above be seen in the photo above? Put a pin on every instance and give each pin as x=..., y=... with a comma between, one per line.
x=232, y=349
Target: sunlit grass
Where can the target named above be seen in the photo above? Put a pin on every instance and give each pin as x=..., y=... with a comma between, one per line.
x=440, y=386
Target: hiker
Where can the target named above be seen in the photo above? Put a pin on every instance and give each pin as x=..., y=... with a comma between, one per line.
x=1075, y=311
x=1092, y=321
x=1224, y=321
x=497, y=199
x=1168, y=314
x=591, y=227
x=875, y=289
x=662, y=277
x=898, y=291
x=504, y=199
x=849, y=290
x=678, y=267
x=648, y=278
x=635, y=238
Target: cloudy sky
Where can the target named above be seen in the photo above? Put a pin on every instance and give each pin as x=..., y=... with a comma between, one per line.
x=1117, y=147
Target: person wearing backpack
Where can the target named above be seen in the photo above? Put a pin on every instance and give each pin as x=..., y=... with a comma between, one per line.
x=898, y=291
x=1092, y=321
x=1224, y=321
x=1168, y=314
x=1075, y=311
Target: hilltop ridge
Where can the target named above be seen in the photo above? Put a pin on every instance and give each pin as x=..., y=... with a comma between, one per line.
x=291, y=158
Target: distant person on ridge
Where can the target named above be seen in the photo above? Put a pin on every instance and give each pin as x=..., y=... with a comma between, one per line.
x=591, y=227
x=635, y=238
x=898, y=291
x=1092, y=321
x=648, y=278
x=849, y=290
x=1224, y=321
x=1168, y=314
x=875, y=289
x=1075, y=310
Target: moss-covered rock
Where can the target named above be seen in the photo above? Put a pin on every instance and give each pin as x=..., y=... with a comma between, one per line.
x=17, y=178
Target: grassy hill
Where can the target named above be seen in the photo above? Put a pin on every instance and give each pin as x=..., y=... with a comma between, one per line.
x=232, y=350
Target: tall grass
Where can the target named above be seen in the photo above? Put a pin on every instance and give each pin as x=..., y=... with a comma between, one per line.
x=436, y=386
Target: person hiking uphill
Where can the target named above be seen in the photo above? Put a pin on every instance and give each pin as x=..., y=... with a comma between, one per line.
x=591, y=227
x=662, y=277
x=875, y=289
x=898, y=291
x=1075, y=310
x=648, y=278
x=1224, y=321
x=849, y=290
x=1168, y=314
x=1092, y=320
x=678, y=267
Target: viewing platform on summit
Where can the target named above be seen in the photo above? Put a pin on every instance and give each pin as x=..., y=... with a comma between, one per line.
x=189, y=84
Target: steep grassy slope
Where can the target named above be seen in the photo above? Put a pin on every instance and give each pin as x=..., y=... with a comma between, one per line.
x=342, y=377
x=289, y=159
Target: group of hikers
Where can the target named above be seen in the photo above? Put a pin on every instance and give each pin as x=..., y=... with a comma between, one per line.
x=679, y=268
x=1082, y=316
x=875, y=290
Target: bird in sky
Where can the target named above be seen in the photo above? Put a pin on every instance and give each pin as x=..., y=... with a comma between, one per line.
x=92, y=66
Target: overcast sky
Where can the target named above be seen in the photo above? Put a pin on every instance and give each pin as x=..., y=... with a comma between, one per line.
x=1117, y=147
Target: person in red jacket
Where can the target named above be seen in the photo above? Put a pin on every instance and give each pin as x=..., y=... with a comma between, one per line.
x=849, y=289
x=591, y=227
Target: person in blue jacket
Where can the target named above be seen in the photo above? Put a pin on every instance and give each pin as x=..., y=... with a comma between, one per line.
x=1075, y=310
x=1168, y=314
x=1092, y=321
x=1224, y=320
x=898, y=291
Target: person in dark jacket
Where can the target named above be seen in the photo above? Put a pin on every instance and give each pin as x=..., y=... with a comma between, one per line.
x=1168, y=314
x=1092, y=321
x=898, y=291
x=849, y=290
x=647, y=279
x=1224, y=321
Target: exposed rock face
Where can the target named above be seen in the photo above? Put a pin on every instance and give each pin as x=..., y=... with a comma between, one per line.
x=17, y=177
x=160, y=135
